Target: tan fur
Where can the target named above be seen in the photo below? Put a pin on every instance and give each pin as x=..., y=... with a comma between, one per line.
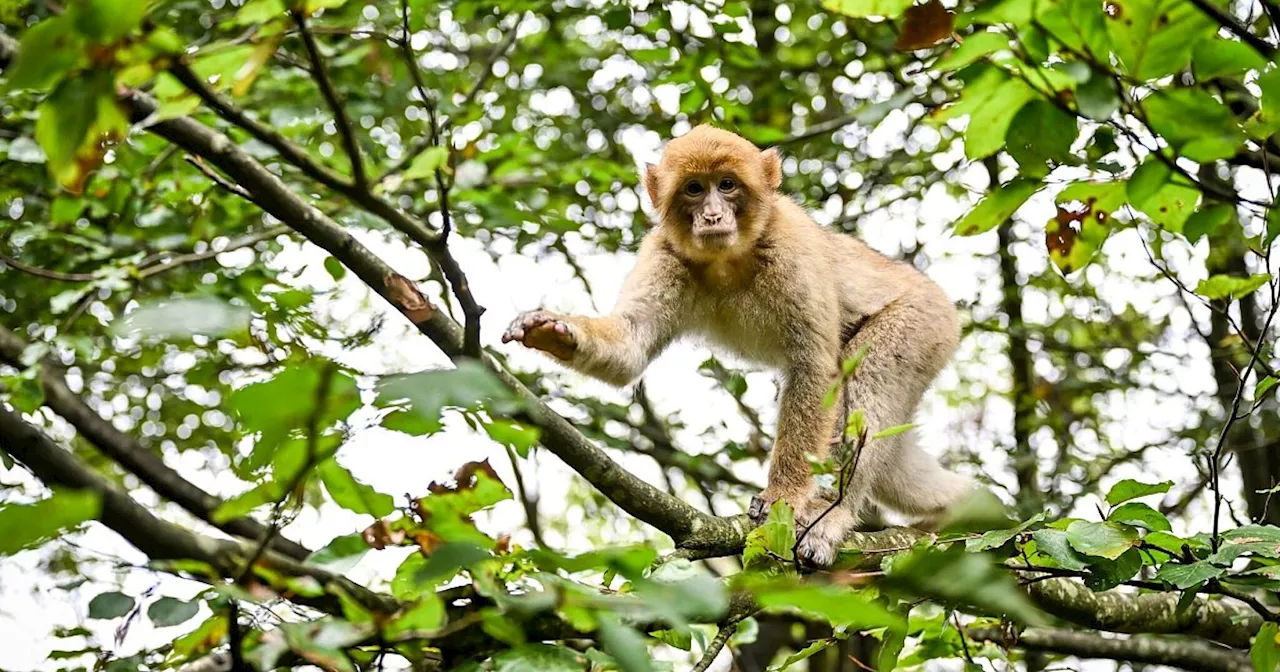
x=784, y=292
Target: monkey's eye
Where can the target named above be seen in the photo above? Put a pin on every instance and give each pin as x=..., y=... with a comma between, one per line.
x=693, y=188
x=727, y=184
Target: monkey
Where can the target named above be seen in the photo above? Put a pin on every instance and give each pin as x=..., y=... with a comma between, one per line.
x=733, y=260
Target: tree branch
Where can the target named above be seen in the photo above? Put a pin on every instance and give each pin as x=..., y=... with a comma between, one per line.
x=1231, y=23
x=689, y=527
x=1155, y=613
x=1188, y=654
x=159, y=539
x=321, y=74
x=131, y=455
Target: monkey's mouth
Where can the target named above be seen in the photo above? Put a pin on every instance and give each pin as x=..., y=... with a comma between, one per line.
x=716, y=230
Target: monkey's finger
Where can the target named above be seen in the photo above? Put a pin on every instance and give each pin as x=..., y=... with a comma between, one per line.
x=757, y=509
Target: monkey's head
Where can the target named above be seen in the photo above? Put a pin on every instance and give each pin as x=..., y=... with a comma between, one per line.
x=713, y=190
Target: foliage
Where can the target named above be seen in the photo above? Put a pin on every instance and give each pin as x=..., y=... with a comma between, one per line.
x=166, y=283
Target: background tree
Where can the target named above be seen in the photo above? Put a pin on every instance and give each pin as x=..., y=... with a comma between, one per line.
x=202, y=198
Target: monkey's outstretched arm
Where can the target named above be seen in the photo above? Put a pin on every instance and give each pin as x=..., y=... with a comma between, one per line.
x=617, y=347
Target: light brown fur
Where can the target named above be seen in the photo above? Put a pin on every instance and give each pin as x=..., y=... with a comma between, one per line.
x=747, y=268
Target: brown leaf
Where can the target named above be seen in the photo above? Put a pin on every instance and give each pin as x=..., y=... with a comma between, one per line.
x=428, y=541
x=1062, y=240
x=466, y=476
x=405, y=295
x=925, y=25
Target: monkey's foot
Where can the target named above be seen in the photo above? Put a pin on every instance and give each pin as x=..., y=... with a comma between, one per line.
x=541, y=330
x=820, y=542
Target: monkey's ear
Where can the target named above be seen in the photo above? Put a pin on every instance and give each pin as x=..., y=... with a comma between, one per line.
x=652, y=182
x=772, y=167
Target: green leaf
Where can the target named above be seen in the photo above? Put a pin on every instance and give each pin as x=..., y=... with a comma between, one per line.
x=1167, y=199
x=425, y=396
x=66, y=118
x=1263, y=386
x=49, y=49
x=425, y=164
x=1154, y=38
x=1130, y=489
x=539, y=657
x=421, y=619
x=862, y=9
x=341, y=553
x=969, y=580
x=988, y=125
x=1195, y=123
x=1097, y=98
x=110, y=605
x=1106, y=574
x=351, y=494
x=1040, y=138
x=976, y=46
x=814, y=647
x=183, y=318
x=626, y=645
x=168, y=611
x=997, y=207
x=893, y=431
x=1265, y=652
x=418, y=576
x=23, y=526
x=283, y=404
x=1054, y=544
x=998, y=538
x=1207, y=220
x=106, y=21
x=1219, y=57
x=1078, y=24
x=840, y=606
x=775, y=538
x=335, y=268
x=1224, y=286
x=1140, y=515
x=1107, y=540
x=1186, y=576
x=521, y=438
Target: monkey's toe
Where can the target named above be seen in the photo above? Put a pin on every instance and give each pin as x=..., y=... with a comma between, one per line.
x=820, y=546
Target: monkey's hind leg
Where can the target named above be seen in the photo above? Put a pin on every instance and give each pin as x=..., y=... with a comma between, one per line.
x=916, y=486
x=907, y=346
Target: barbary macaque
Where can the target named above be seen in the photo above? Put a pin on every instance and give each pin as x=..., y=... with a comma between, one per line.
x=744, y=266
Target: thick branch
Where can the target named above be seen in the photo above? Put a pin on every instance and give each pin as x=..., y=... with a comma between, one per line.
x=1188, y=654
x=1154, y=613
x=131, y=455
x=158, y=539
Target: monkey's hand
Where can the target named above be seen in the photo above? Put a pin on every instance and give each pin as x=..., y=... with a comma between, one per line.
x=797, y=498
x=545, y=331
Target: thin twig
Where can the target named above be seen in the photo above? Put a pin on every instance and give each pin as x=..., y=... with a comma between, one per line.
x=321, y=75
x=44, y=272
x=216, y=178
x=716, y=645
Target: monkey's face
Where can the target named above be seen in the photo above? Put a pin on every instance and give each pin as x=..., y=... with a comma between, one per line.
x=710, y=204
x=714, y=191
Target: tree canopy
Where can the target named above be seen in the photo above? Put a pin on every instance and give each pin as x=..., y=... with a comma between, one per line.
x=245, y=243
